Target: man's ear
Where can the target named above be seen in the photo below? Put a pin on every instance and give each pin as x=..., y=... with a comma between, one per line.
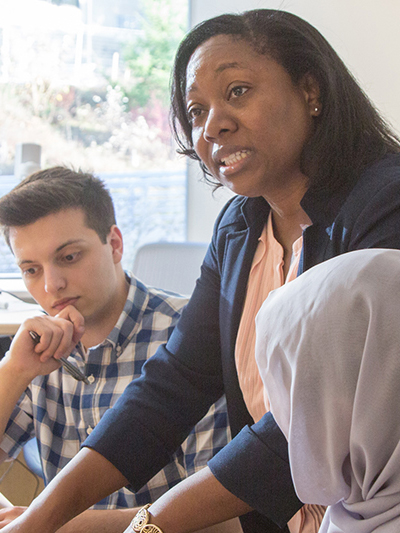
x=310, y=88
x=116, y=242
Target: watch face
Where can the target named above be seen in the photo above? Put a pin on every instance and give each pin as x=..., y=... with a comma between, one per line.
x=141, y=519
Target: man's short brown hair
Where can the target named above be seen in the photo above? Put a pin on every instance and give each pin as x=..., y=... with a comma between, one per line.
x=49, y=191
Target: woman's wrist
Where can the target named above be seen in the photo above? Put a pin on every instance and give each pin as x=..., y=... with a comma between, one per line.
x=141, y=522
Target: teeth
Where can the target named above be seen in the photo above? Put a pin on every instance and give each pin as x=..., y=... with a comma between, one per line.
x=234, y=158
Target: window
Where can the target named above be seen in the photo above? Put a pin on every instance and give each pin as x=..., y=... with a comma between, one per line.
x=88, y=81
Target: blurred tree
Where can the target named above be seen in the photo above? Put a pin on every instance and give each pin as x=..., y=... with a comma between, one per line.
x=150, y=58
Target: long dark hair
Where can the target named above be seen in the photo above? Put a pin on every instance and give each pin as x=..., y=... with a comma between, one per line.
x=349, y=133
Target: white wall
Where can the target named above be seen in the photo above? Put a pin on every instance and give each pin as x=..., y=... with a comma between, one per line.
x=366, y=35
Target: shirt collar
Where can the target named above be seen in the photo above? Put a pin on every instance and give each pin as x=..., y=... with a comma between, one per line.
x=131, y=316
x=128, y=321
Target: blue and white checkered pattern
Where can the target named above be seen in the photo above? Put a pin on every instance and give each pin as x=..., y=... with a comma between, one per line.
x=61, y=411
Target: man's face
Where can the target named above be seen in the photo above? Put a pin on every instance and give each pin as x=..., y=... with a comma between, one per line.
x=63, y=262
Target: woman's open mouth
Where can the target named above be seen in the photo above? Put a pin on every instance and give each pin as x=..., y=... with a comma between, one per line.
x=234, y=158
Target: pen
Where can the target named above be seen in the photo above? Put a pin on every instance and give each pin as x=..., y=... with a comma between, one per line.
x=69, y=367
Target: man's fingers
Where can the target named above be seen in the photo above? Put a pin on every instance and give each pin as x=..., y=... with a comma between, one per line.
x=71, y=314
x=56, y=341
x=54, y=336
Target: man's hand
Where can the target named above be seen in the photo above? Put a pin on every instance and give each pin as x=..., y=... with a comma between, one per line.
x=8, y=514
x=58, y=337
x=27, y=359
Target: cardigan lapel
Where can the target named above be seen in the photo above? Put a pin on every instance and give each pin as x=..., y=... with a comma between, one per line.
x=240, y=246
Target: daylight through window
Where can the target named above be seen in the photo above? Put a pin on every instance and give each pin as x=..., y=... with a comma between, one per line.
x=88, y=80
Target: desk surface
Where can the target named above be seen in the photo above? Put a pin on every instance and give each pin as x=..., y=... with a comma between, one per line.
x=13, y=312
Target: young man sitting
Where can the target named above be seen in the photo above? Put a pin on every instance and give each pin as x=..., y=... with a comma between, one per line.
x=60, y=226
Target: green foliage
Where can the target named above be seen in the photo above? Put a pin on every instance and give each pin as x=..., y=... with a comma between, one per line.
x=150, y=58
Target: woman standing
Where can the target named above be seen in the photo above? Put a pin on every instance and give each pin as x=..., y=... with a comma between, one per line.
x=270, y=111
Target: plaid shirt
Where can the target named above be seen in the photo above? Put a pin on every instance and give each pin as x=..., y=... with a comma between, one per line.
x=61, y=411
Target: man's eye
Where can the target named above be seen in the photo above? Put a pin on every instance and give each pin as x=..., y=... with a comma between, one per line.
x=29, y=271
x=69, y=258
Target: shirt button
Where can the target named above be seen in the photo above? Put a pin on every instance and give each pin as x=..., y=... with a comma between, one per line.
x=89, y=430
x=91, y=379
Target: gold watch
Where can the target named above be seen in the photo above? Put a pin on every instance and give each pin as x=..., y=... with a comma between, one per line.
x=141, y=519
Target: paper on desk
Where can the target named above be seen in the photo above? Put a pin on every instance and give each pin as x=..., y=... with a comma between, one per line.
x=4, y=502
x=13, y=312
x=10, y=303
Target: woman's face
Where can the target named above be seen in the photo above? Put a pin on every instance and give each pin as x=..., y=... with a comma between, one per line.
x=249, y=122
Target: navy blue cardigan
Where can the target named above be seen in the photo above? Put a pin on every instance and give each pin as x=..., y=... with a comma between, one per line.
x=197, y=366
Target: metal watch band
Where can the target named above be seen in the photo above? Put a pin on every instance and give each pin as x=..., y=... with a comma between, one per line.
x=150, y=528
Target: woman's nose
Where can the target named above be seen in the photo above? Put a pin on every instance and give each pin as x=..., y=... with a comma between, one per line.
x=219, y=123
x=54, y=281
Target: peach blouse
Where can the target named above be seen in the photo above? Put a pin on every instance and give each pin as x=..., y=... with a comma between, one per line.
x=267, y=274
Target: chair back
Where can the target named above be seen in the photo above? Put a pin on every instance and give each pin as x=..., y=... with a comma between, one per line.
x=172, y=266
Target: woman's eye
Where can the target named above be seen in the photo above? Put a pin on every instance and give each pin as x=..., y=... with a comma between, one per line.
x=194, y=112
x=238, y=91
